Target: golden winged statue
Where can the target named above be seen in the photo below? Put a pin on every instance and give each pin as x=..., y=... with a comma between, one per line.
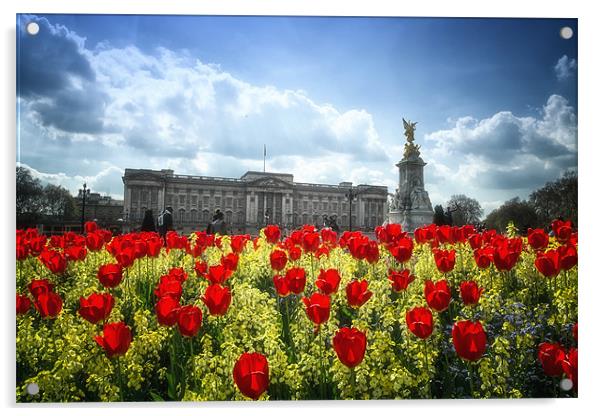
x=410, y=149
x=409, y=128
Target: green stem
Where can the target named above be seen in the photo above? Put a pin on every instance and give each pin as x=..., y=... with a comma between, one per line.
x=469, y=367
x=323, y=351
x=119, y=379
x=353, y=383
x=428, y=371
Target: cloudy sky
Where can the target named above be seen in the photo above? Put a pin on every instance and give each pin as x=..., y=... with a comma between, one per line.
x=495, y=99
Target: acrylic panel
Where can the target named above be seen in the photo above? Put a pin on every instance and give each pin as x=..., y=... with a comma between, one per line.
x=218, y=208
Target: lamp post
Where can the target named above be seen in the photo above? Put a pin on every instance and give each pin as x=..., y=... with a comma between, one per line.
x=351, y=194
x=85, y=190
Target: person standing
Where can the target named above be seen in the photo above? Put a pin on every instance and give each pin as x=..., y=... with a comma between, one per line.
x=148, y=222
x=165, y=221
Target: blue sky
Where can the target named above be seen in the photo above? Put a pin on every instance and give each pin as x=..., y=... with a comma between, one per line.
x=495, y=99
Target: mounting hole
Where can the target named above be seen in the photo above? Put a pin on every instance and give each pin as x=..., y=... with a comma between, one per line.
x=566, y=384
x=33, y=28
x=566, y=32
x=33, y=389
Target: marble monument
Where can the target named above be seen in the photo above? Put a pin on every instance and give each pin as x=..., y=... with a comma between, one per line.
x=411, y=206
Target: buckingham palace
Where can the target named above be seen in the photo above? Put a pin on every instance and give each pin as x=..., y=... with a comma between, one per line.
x=249, y=202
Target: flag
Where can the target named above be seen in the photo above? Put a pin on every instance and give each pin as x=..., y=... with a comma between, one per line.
x=264, y=151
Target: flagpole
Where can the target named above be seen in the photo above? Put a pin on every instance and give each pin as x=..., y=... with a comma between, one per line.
x=264, y=153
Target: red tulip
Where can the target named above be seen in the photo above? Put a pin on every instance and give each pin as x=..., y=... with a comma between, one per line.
x=252, y=374
x=230, y=261
x=551, y=357
x=39, y=286
x=538, y=239
x=357, y=246
x=562, y=230
x=22, y=249
x=96, y=307
x=469, y=339
x=548, y=263
x=272, y=233
x=402, y=249
x=178, y=273
x=94, y=241
x=90, y=226
x=48, y=304
x=400, y=280
x=167, y=310
x=329, y=236
x=295, y=278
x=328, y=281
x=278, y=259
x=200, y=268
x=371, y=252
x=317, y=307
x=281, y=285
x=311, y=242
x=420, y=321
x=23, y=304
x=569, y=366
x=217, y=299
x=483, y=257
x=437, y=295
x=239, y=242
x=153, y=246
x=445, y=260
x=358, y=293
x=115, y=340
x=294, y=252
x=139, y=249
x=568, y=256
x=475, y=241
x=168, y=286
x=110, y=275
x=425, y=234
x=218, y=274
x=470, y=292
x=506, y=252
x=350, y=346
x=190, y=319
x=444, y=234
x=54, y=261
x=125, y=257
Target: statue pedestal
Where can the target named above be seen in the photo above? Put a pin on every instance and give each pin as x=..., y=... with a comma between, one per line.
x=410, y=220
x=411, y=207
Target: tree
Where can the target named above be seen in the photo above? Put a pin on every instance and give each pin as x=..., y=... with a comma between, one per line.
x=464, y=210
x=30, y=196
x=521, y=213
x=58, y=202
x=557, y=199
x=439, y=216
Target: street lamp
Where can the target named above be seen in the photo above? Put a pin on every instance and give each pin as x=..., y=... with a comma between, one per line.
x=84, y=192
x=351, y=194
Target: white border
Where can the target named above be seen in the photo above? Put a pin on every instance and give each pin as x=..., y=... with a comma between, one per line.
x=589, y=207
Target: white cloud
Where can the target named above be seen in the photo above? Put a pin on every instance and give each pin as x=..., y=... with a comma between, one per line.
x=504, y=155
x=565, y=68
x=172, y=110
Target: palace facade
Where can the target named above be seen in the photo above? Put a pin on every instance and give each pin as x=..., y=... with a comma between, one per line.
x=249, y=202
